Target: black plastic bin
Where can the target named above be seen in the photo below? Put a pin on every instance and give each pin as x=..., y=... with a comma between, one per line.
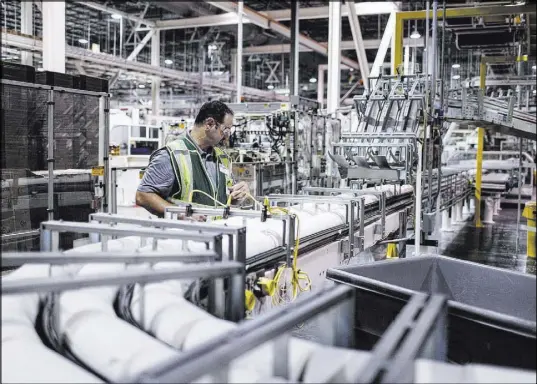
x=491, y=310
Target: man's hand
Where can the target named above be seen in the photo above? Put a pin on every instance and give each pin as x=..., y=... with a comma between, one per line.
x=198, y=218
x=239, y=191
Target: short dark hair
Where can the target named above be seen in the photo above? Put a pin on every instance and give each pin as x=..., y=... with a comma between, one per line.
x=215, y=109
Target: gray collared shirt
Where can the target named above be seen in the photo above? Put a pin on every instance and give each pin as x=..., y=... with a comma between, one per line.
x=159, y=176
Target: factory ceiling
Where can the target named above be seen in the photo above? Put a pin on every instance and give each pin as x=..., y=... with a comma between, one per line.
x=92, y=21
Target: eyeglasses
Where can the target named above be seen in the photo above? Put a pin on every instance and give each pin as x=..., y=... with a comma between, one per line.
x=224, y=129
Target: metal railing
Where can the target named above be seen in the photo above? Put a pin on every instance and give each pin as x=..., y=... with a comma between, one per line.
x=216, y=271
x=113, y=184
x=337, y=306
x=50, y=231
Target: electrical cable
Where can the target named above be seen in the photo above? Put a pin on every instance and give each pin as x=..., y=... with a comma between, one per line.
x=274, y=287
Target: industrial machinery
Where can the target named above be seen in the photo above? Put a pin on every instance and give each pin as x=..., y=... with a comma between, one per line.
x=170, y=292
x=281, y=147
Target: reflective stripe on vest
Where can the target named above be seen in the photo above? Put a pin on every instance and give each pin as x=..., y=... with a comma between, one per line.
x=224, y=159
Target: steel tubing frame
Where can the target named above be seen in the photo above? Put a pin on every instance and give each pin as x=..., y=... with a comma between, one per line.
x=50, y=231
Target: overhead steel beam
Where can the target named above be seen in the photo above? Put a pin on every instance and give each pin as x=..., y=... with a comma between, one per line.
x=268, y=23
x=358, y=42
x=138, y=24
x=86, y=55
x=141, y=45
x=229, y=18
x=366, y=8
x=79, y=68
x=133, y=54
x=346, y=45
x=309, y=13
x=125, y=15
x=505, y=81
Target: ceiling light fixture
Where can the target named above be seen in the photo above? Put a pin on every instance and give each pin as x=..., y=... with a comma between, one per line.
x=116, y=16
x=313, y=80
x=83, y=41
x=456, y=77
x=534, y=67
x=141, y=86
x=41, y=69
x=270, y=86
x=168, y=62
x=456, y=66
x=415, y=34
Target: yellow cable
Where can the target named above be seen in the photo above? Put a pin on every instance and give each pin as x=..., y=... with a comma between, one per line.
x=273, y=286
x=191, y=194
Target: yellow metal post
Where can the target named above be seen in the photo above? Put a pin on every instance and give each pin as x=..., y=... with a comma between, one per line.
x=480, y=140
x=497, y=10
x=530, y=214
x=391, y=251
x=482, y=75
x=480, y=145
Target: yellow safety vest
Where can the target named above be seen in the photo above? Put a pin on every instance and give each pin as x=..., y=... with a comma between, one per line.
x=182, y=167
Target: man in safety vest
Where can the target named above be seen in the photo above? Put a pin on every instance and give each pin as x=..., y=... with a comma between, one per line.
x=192, y=168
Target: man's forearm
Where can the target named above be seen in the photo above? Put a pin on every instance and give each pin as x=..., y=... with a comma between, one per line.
x=152, y=202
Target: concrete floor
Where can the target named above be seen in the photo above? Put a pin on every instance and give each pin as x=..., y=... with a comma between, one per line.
x=493, y=245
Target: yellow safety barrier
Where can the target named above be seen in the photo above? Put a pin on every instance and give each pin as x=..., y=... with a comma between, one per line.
x=391, y=251
x=530, y=214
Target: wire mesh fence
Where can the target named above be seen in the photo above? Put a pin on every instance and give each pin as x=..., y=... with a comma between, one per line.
x=25, y=160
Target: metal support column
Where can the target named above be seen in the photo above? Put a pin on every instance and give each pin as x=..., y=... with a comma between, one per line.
x=238, y=66
x=106, y=153
x=358, y=42
x=406, y=60
x=418, y=196
x=519, y=202
x=334, y=56
x=155, y=84
x=50, y=155
x=293, y=70
x=27, y=28
x=384, y=45
x=53, y=36
x=121, y=33
x=434, y=53
x=320, y=86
